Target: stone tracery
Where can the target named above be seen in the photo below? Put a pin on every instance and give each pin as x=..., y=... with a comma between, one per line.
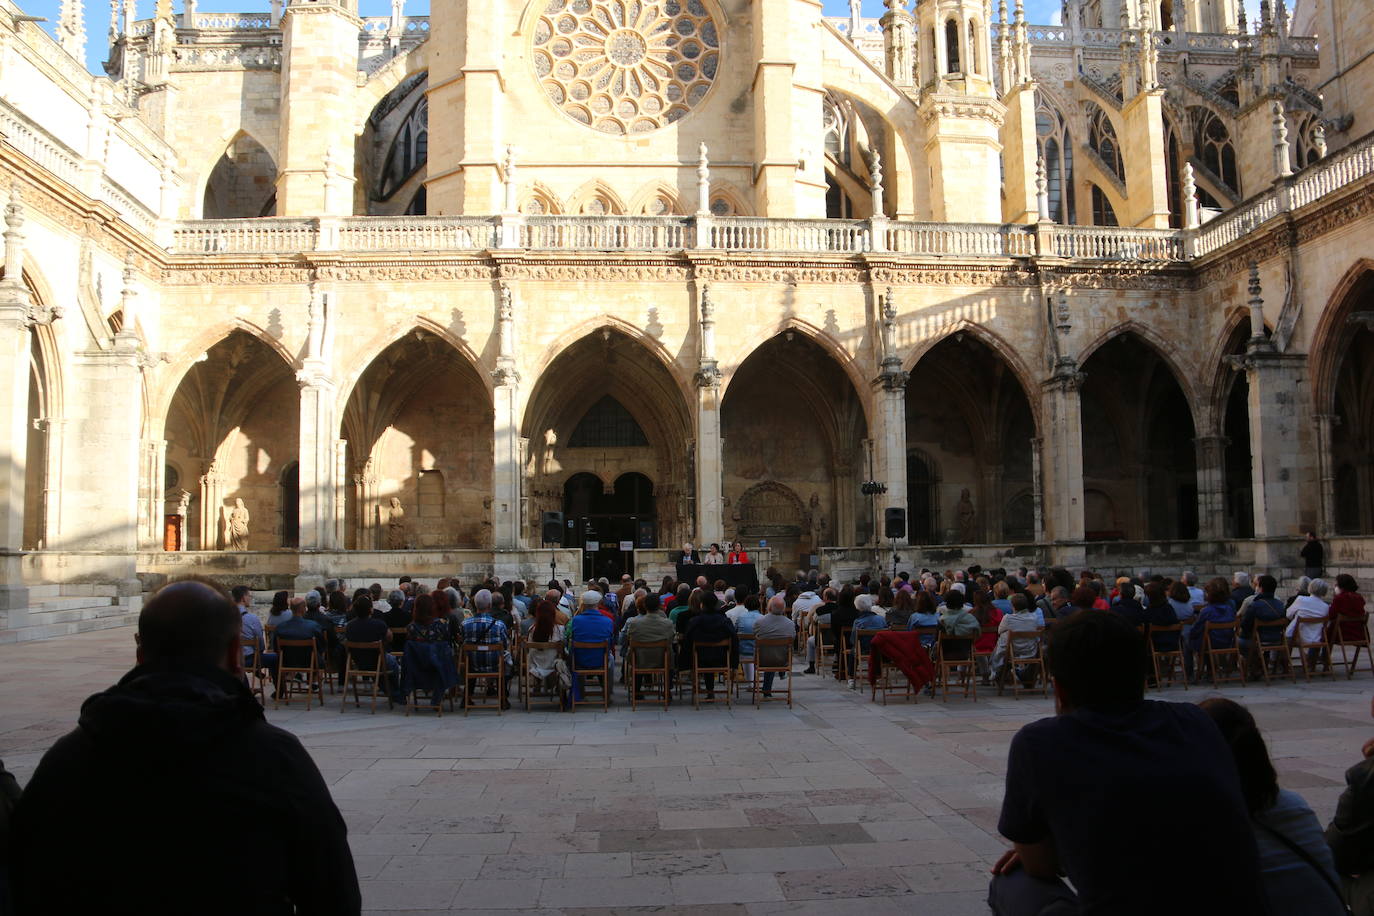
x=626, y=66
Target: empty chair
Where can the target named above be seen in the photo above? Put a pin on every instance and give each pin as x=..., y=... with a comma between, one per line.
x=363, y=662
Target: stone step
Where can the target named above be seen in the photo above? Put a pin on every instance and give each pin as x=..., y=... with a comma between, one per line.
x=68, y=603
x=39, y=592
x=67, y=615
x=49, y=630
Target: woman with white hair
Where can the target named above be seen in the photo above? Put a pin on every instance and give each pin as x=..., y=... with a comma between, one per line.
x=1308, y=616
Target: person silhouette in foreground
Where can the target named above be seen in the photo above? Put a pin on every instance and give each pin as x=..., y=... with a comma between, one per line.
x=180, y=788
x=1114, y=773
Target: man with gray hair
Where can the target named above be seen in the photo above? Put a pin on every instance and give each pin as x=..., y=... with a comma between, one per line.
x=1240, y=588
x=482, y=629
x=591, y=626
x=397, y=616
x=773, y=625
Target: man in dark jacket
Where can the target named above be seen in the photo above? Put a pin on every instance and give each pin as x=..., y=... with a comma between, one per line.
x=711, y=625
x=176, y=777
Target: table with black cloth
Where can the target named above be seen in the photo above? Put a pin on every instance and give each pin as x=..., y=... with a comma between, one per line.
x=735, y=575
x=901, y=648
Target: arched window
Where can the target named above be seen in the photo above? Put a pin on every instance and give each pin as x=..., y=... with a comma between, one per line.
x=1166, y=15
x=1173, y=175
x=1055, y=146
x=836, y=128
x=1306, y=152
x=975, y=63
x=952, y=46
x=409, y=150
x=607, y=425
x=1102, y=140
x=1103, y=214
x=1212, y=144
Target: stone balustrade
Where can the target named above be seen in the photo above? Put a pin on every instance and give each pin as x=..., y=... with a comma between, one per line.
x=605, y=233
x=1107, y=243
x=1311, y=184
x=40, y=146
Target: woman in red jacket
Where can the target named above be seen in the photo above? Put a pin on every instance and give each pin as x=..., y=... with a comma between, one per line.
x=737, y=554
x=1347, y=604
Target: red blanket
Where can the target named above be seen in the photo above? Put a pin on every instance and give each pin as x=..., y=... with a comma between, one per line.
x=904, y=650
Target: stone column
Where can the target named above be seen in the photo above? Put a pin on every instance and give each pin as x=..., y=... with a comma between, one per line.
x=992, y=500
x=155, y=485
x=1064, y=458
x=710, y=495
x=506, y=466
x=15, y=319
x=1326, y=472
x=890, y=436
x=1211, y=486
x=365, y=499
x=211, y=505
x=1276, y=440
x=318, y=429
x=340, y=503
x=1037, y=446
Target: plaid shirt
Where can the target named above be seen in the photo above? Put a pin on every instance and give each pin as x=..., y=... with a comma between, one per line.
x=486, y=630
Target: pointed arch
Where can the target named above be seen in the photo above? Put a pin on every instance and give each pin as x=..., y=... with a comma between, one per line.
x=171, y=377
x=361, y=358
x=540, y=200
x=728, y=200
x=993, y=341
x=593, y=196
x=241, y=182
x=1161, y=348
x=582, y=329
x=1327, y=353
x=384, y=81
x=832, y=347
x=657, y=198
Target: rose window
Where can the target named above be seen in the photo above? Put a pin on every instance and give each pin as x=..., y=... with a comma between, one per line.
x=626, y=66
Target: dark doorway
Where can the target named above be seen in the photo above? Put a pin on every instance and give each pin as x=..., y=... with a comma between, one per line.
x=608, y=520
x=291, y=506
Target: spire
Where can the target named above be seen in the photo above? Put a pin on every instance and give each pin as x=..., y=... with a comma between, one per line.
x=1042, y=190
x=703, y=181
x=875, y=174
x=14, y=238
x=512, y=202
x=71, y=29
x=1258, y=341
x=1191, y=218
x=1282, y=165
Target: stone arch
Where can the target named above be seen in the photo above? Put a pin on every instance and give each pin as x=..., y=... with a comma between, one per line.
x=994, y=342
x=596, y=190
x=233, y=417
x=363, y=356
x=613, y=323
x=1161, y=348
x=1141, y=442
x=385, y=80
x=241, y=183
x=732, y=197
x=1343, y=352
x=600, y=360
x=789, y=375
x=970, y=411
x=1326, y=349
x=549, y=202
x=192, y=354
x=832, y=347
x=645, y=198
x=418, y=430
x=770, y=511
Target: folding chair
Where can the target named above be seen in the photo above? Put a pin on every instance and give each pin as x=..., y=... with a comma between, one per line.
x=956, y=657
x=863, y=646
x=1216, y=651
x=582, y=675
x=1027, y=662
x=253, y=671
x=527, y=679
x=725, y=670
x=363, y=667
x=886, y=680
x=1166, y=645
x=825, y=645
x=741, y=677
x=1268, y=642
x=1321, y=647
x=772, y=655
x=398, y=642
x=983, y=657
x=475, y=676
x=1358, y=642
x=653, y=662
x=287, y=675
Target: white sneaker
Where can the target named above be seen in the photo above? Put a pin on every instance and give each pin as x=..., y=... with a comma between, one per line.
x=851, y=683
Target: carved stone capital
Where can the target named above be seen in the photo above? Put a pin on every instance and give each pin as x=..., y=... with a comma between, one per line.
x=708, y=375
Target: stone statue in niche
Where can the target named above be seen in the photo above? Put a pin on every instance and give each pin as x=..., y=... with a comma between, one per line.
x=396, y=525
x=816, y=518
x=236, y=533
x=968, y=518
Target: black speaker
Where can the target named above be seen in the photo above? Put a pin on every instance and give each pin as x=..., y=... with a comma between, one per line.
x=552, y=527
x=894, y=522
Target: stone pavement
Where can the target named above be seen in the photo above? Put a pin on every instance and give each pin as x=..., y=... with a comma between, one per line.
x=837, y=806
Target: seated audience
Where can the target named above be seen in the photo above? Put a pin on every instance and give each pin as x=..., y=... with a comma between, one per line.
x=711, y=625
x=590, y=626
x=176, y=762
x=1351, y=833
x=1345, y=607
x=1261, y=607
x=543, y=663
x=1296, y=870
x=279, y=613
x=399, y=614
x=1308, y=616
x=1171, y=776
x=774, y=625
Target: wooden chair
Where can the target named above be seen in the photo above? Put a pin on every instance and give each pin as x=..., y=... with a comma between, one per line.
x=288, y=676
x=956, y=657
x=888, y=677
x=984, y=656
x=740, y=678
x=725, y=671
x=1215, y=656
x=1035, y=661
x=1166, y=647
x=527, y=679
x=863, y=645
x=269, y=637
x=476, y=678
x=601, y=672
x=1268, y=642
x=652, y=661
x=1321, y=647
x=1359, y=642
x=398, y=642
x=825, y=645
x=357, y=669
x=772, y=655
x=253, y=671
